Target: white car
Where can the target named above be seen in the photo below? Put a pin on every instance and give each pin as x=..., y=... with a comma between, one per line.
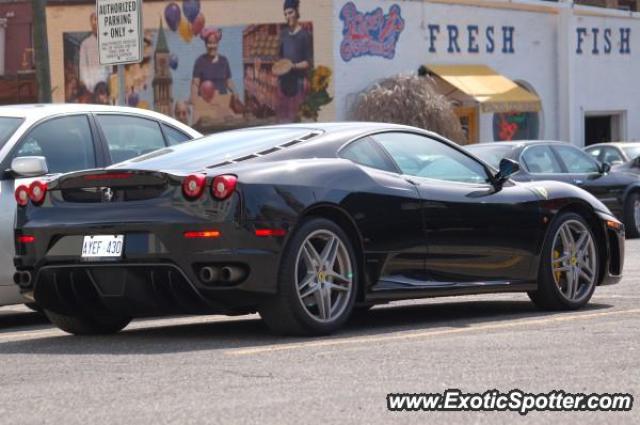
x=58, y=138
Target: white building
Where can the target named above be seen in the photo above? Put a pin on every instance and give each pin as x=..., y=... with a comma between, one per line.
x=583, y=64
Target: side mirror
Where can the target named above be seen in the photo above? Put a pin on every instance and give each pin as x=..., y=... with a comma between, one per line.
x=29, y=166
x=508, y=167
x=605, y=167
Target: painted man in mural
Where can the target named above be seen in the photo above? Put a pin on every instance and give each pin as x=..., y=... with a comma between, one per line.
x=91, y=72
x=212, y=87
x=181, y=112
x=296, y=51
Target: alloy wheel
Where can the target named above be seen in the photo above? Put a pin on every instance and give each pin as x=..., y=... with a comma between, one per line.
x=324, y=275
x=573, y=260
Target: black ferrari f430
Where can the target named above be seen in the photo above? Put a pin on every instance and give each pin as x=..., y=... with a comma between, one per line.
x=304, y=224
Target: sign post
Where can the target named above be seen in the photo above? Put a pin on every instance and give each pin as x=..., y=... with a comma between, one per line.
x=119, y=36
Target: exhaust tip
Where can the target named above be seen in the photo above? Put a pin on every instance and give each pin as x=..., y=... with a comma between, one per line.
x=209, y=274
x=22, y=279
x=232, y=274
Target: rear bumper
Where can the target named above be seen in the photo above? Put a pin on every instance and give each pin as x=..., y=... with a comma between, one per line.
x=159, y=272
x=134, y=290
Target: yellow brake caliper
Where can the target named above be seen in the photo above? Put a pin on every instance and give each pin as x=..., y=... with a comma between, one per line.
x=556, y=255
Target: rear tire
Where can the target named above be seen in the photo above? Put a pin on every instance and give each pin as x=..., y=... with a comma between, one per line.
x=632, y=215
x=316, y=284
x=569, y=265
x=83, y=325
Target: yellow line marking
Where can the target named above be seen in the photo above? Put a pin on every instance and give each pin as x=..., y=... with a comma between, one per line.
x=424, y=334
x=35, y=334
x=136, y=325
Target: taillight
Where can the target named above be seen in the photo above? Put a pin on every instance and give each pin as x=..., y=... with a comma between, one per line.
x=223, y=186
x=193, y=186
x=37, y=191
x=22, y=195
x=26, y=239
x=203, y=234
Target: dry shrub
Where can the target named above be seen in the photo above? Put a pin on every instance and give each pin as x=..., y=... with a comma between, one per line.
x=409, y=100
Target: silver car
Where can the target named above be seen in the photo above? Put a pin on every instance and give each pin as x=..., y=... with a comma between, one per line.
x=614, y=153
x=58, y=138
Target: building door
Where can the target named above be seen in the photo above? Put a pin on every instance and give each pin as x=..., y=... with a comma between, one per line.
x=602, y=128
x=468, y=117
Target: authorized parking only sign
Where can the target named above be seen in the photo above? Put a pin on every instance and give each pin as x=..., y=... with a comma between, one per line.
x=119, y=31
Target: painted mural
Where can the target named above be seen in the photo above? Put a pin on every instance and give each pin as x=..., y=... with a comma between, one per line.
x=212, y=78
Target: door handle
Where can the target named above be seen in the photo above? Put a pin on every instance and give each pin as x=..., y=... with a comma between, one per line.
x=578, y=182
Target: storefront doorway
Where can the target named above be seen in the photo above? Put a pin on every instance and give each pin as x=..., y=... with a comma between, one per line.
x=602, y=128
x=468, y=117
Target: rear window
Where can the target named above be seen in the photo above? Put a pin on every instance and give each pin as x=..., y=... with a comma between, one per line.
x=492, y=154
x=8, y=125
x=217, y=148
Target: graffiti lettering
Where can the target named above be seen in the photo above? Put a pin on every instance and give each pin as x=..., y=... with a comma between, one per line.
x=371, y=33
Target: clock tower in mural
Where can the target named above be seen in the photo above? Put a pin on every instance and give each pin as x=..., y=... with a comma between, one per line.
x=162, y=81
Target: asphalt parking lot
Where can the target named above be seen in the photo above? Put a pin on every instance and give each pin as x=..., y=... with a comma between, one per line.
x=231, y=370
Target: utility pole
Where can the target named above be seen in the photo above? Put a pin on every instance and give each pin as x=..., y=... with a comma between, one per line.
x=41, y=50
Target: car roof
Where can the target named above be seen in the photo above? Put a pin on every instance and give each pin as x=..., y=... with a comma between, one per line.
x=518, y=143
x=37, y=111
x=348, y=129
x=345, y=125
x=619, y=144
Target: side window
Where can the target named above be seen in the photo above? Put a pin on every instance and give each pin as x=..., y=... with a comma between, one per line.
x=174, y=137
x=612, y=156
x=421, y=156
x=541, y=160
x=128, y=137
x=65, y=142
x=594, y=152
x=576, y=161
x=366, y=152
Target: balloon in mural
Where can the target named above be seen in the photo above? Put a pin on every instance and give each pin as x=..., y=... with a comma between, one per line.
x=173, y=62
x=172, y=15
x=191, y=9
x=207, y=90
x=184, y=29
x=197, y=24
x=133, y=99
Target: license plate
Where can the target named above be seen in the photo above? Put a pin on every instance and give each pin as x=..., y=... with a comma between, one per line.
x=102, y=246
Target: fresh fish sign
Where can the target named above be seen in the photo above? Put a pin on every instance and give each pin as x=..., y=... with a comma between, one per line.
x=371, y=33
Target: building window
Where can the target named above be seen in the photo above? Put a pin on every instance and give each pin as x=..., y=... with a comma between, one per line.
x=517, y=125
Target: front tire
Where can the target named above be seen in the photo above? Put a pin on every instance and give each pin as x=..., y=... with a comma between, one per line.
x=84, y=325
x=632, y=215
x=317, y=282
x=569, y=265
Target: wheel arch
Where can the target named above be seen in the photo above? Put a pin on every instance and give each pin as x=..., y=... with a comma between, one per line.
x=632, y=188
